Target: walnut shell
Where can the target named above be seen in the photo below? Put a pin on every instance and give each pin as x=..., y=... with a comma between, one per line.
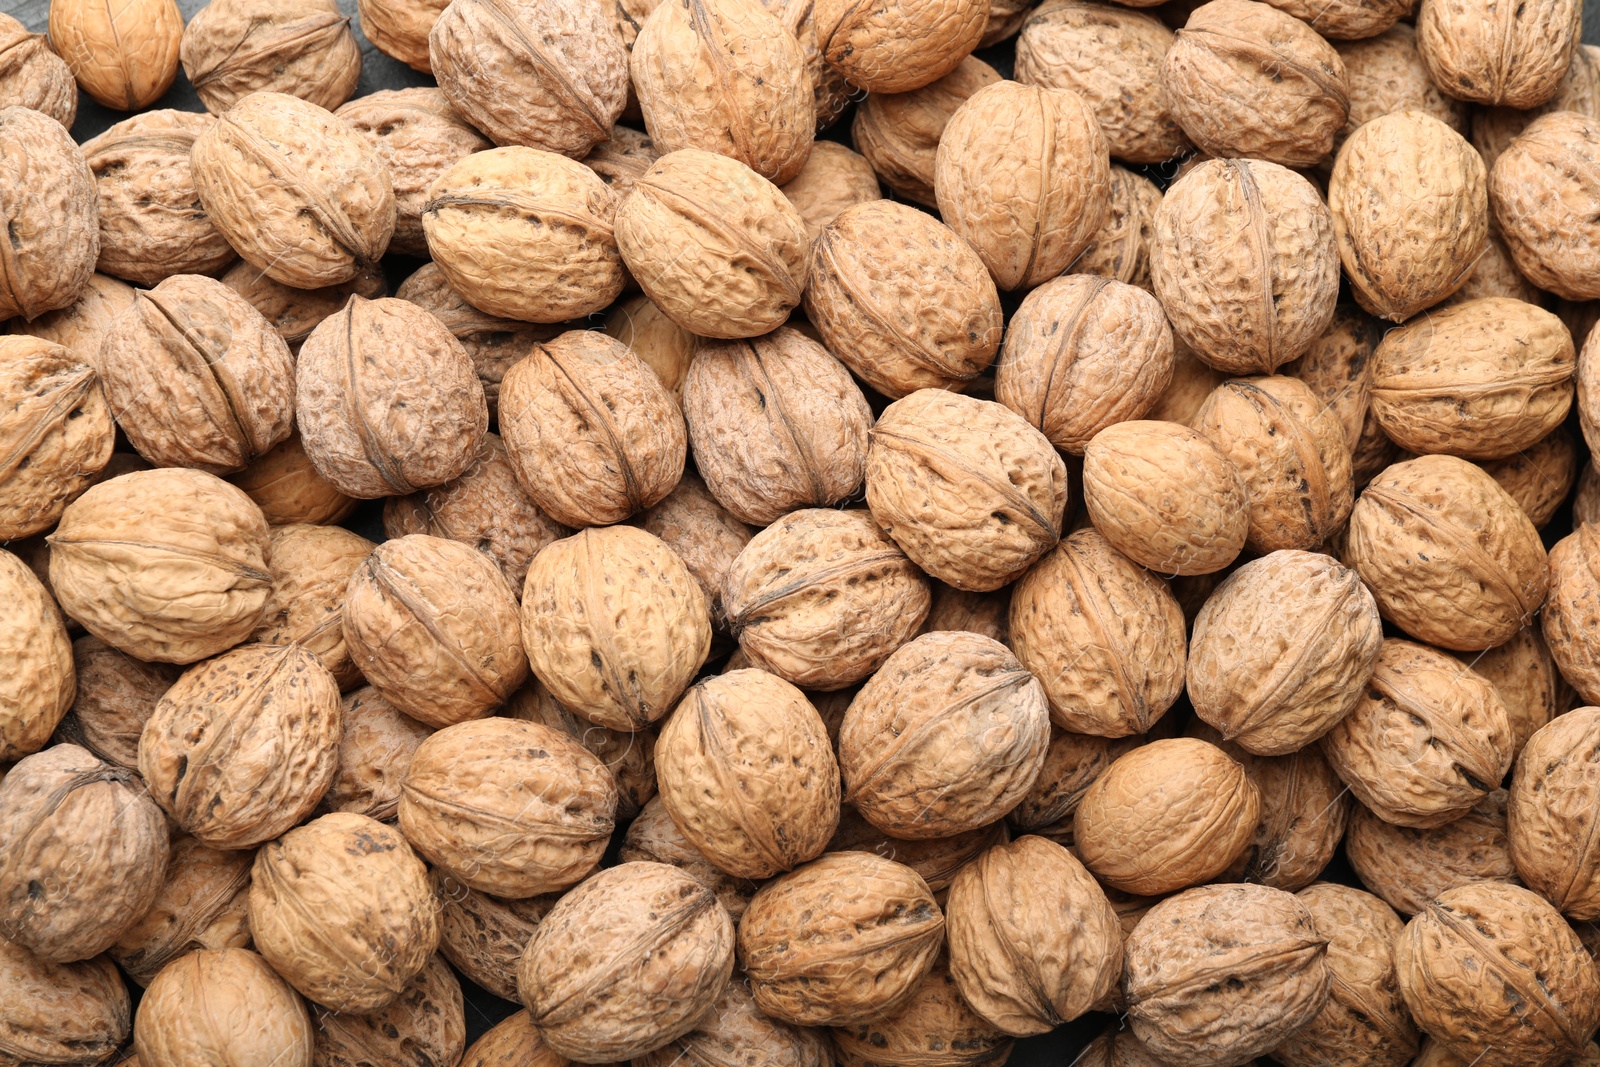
x=285, y=484
x=1488, y=53
x=833, y=93
x=222, y=1005
x=822, y=597
x=399, y=28
x=50, y=212
x=1541, y=189
x=81, y=326
x=1338, y=369
x=1221, y=973
x=834, y=178
x=845, y=939
x=704, y=534
x=1344, y=20
x=34, y=77
x=232, y=48
x=294, y=313
x=903, y=300
x=734, y=1032
x=513, y=1042
x=483, y=936
x=311, y=568
x=75, y=1014
x=116, y=696
x=1496, y=275
x=1494, y=128
x=623, y=158
x=985, y=614
x=1193, y=380
x=937, y=860
x=375, y=749
x=1408, y=867
x=1386, y=74
x=899, y=133
x=1551, y=820
x=1120, y=249
x=1071, y=765
x=1524, y=674
x=124, y=57
x=654, y=837
x=1031, y=202
x=1246, y=304
x=627, y=962
x=1586, y=500
x=1033, y=941
x=666, y=348
x=86, y=852
x=1119, y=1046
x=203, y=904
x=1494, y=974
x=901, y=45
x=1569, y=613
x=164, y=585
x=935, y=1028
x=1540, y=477
x=242, y=747
x=56, y=433
x=425, y=1027
x=550, y=76
x=713, y=244
x=432, y=625
x=1448, y=554
x=342, y=908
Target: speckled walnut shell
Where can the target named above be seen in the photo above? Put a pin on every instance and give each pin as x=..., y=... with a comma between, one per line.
x=834, y=178
x=50, y=213
x=1033, y=941
x=1386, y=74
x=197, y=377
x=1282, y=649
x=311, y=568
x=653, y=837
x=550, y=76
x=34, y=77
x=1120, y=249
x=375, y=748
x=1246, y=80
x=222, y=1006
x=56, y=432
x=899, y=133
x=342, y=908
x=116, y=696
x=302, y=196
x=845, y=939
x=1365, y=1023
x=162, y=584
x=1169, y=814
x=294, y=313
x=665, y=347
x=285, y=484
x=1244, y=263
x=1540, y=477
x=717, y=247
x=74, y=1014
x=432, y=625
x=86, y=851
x=1551, y=817
x=203, y=904
x=513, y=1042
x=525, y=234
x=1221, y=973
x=1110, y=56
x=1494, y=128
x=970, y=490
x=1450, y=557
x=399, y=28
x=124, y=57
x=936, y=1027
x=483, y=935
x=1426, y=739
x=232, y=48
x=82, y=325
x=426, y=1027
x=1484, y=379
x=1542, y=190
x=151, y=222
x=1494, y=974
x=592, y=433
x=898, y=46
x=734, y=1032
x=387, y=401
x=903, y=300
x=1408, y=867
x=704, y=534
x=1570, y=612
x=1489, y=53
x=1525, y=675
x=627, y=962
x=420, y=136
x=1024, y=176
x=822, y=597
x=947, y=737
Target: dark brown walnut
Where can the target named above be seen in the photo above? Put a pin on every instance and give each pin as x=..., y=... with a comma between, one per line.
x=34, y=77
x=420, y=136
x=1426, y=740
x=1408, y=867
x=1449, y=555
x=902, y=299
x=151, y=223
x=1103, y=635
x=232, y=48
x=1282, y=649
x=50, y=213
x=311, y=568
x=937, y=860
x=843, y=940
x=1488, y=54
x=483, y=936
x=970, y=490
x=1574, y=604
x=198, y=378
x=86, y=851
x=342, y=909
x=513, y=1042
x=1221, y=973
x=1540, y=189
x=294, y=313
x=1345, y=20
x=666, y=347
x=592, y=433
x=704, y=534
x=242, y=747
x=834, y=178
x=485, y=508
x=56, y=432
x=1386, y=74
x=628, y=961
x=387, y=401
x=399, y=28
x=425, y=1027
x=375, y=748
x=300, y=195
x=1033, y=941
x=1244, y=263
x=653, y=837
x=550, y=76
x=203, y=904
x=898, y=46
x=524, y=234
x=163, y=584
x=432, y=625
x=1365, y=1022
x=81, y=326
x=899, y=133
x=1494, y=128
x=285, y=485
x=947, y=737
x=1524, y=673
x=935, y=1028
x=116, y=695
x=1082, y=353
x=1031, y=202
x=1540, y=477
x=1586, y=499
x=194, y=1010
x=1247, y=80
x=1120, y=249
x=1551, y=823
x=734, y=1032
x=1110, y=56
x=1494, y=974
x=1172, y=813
x=624, y=157
x=75, y=1014
x=1071, y=765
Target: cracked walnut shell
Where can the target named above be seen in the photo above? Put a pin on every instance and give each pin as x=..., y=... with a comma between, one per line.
x=56, y=432
x=50, y=214
x=232, y=48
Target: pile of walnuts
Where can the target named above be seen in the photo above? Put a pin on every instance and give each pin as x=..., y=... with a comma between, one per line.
x=566, y=529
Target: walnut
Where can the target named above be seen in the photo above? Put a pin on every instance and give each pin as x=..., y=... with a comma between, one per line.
x=1569, y=613
x=985, y=614
x=1344, y=20
x=1540, y=190
x=1193, y=380
x=623, y=158
x=655, y=838
x=1524, y=674
x=426, y=1026
x=1494, y=128
x=294, y=313
x=1551, y=822
x=1487, y=53
x=75, y=1014
x=124, y=57
x=56, y=432
x=285, y=484
x=901, y=45
x=232, y=48
x=81, y=326
x=1338, y=369
x=311, y=568
x=1386, y=74
x=116, y=696
x=1408, y=867
x=1121, y=247
x=513, y=1042
x=1540, y=477
x=203, y=904
x=899, y=133
x=734, y=1026
x=665, y=347
x=33, y=76
x=50, y=215
x=1071, y=765
x=834, y=178
x=375, y=748
x=704, y=534
x=192, y=1009
x=936, y=1027
x=833, y=93
x=483, y=936
x=937, y=860
x=399, y=28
